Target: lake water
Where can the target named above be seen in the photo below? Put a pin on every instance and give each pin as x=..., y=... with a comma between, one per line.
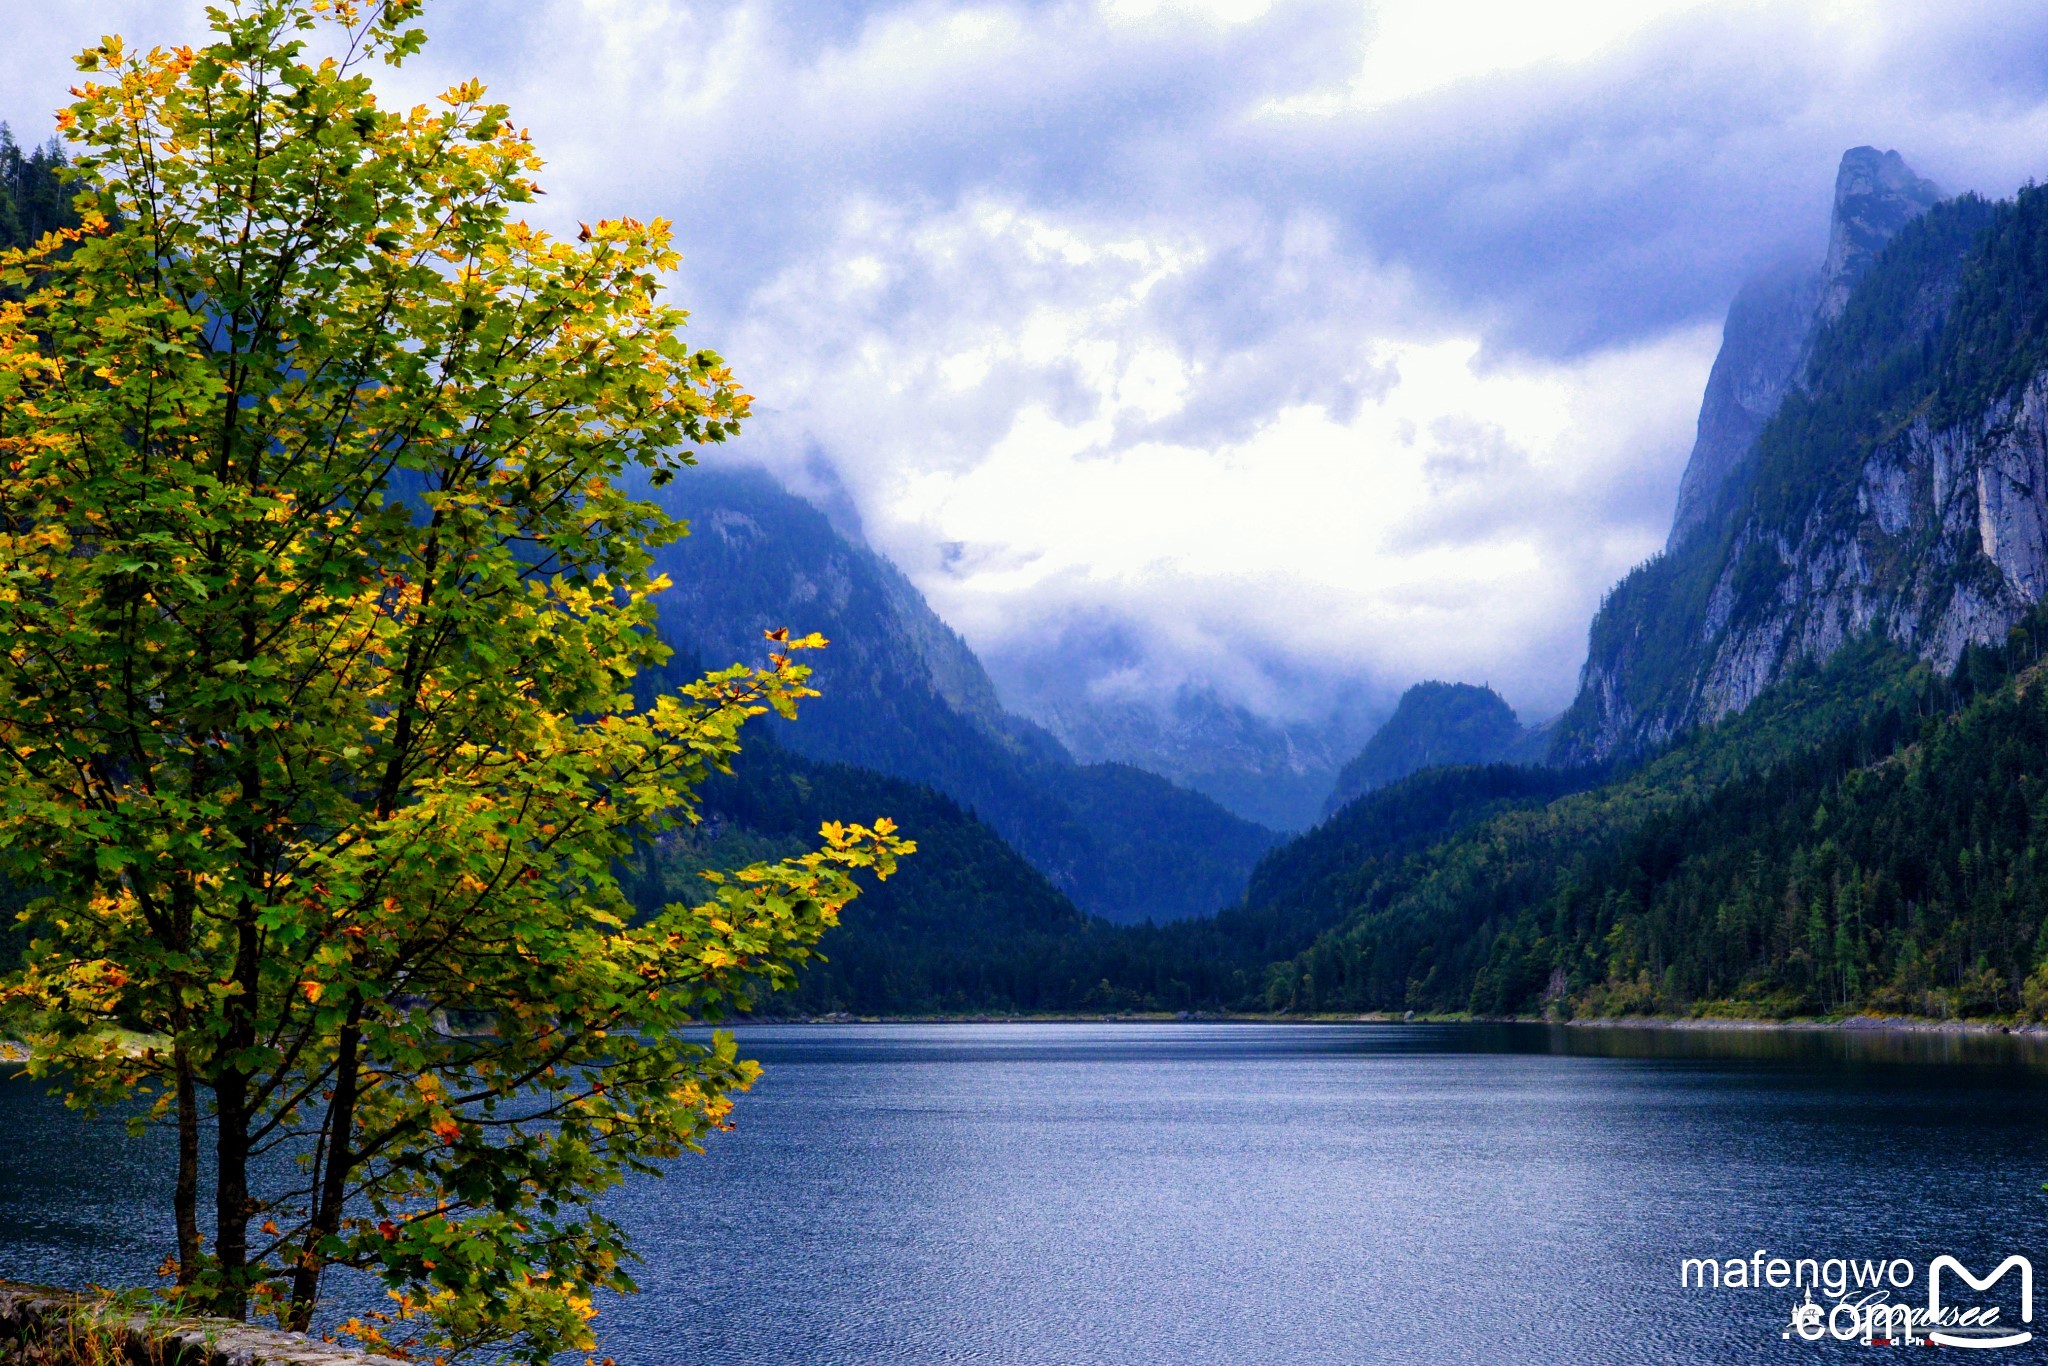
x=1212, y=1193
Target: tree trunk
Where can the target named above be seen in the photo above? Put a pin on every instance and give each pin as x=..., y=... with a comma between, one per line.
x=333, y=1174
x=232, y=1206
x=187, y=1196
x=231, y=1195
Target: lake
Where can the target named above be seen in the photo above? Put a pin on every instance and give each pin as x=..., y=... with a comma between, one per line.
x=1246, y=1193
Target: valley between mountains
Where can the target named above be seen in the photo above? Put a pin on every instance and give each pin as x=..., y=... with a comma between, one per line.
x=1806, y=772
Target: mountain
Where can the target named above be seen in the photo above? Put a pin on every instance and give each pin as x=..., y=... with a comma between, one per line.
x=1896, y=487
x=1829, y=686
x=1506, y=909
x=1273, y=772
x=1776, y=315
x=904, y=696
x=1876, y=194
x=1435, y=725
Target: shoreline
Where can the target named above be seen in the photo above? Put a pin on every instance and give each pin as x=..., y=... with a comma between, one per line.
x=15, y=1054
x=1854, y=1024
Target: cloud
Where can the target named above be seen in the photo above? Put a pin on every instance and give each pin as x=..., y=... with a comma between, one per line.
x=1302, y=493
x=1288, y=347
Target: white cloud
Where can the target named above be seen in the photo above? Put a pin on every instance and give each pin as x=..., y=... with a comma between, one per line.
x=1011, y=426
x=1392, y=386
x=1422, y=46
x=1222, y=13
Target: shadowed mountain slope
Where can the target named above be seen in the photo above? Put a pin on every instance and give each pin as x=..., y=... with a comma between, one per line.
x=903, y=695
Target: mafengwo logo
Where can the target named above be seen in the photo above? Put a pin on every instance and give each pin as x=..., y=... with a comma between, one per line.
x=1882, y=1302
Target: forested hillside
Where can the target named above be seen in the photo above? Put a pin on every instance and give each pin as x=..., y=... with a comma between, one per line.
x=1868, y=836
x=948, y=932
x=1435, y=725
x=971, y=928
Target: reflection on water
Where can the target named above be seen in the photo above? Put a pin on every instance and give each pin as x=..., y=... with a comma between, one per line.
x=1250, y=1193
x=1792, y=1043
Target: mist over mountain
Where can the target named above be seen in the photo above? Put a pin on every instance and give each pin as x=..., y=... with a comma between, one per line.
x=1800, y=777
x=1761, y=347
x=902, y=695
x=1809, y=731
x=1891, y=484
x=1276, y=772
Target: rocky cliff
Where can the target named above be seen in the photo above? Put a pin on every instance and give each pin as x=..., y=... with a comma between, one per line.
x=1876, y=194
x=1771, y=326
x=758, y=558
x=1761, y=347
x=1900, y=487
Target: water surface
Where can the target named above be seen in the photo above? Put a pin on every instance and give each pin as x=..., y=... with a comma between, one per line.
x=1212, y=1193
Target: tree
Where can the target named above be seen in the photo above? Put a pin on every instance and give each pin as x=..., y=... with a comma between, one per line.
x=322, y=591
x=32, y=199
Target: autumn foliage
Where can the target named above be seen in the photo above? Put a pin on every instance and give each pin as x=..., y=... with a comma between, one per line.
x=323, y=586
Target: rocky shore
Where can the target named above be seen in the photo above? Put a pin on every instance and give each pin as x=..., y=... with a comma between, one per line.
x=42, y=1326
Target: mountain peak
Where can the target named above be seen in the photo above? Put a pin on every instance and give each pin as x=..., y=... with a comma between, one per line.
x=1435, y=724
x=1776, y=315
x=1899, y=498
x=1876, y=194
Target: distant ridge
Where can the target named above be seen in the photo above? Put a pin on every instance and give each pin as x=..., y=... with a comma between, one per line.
x=1435, y=725
x=903, y=695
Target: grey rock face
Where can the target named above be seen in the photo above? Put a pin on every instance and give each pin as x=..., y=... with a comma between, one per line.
x=1876, y=194
x=1958, y=516
x=1772, y=322
x=1761, y=346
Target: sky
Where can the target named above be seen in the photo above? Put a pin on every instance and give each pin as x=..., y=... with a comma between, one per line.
x=1287, y=349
